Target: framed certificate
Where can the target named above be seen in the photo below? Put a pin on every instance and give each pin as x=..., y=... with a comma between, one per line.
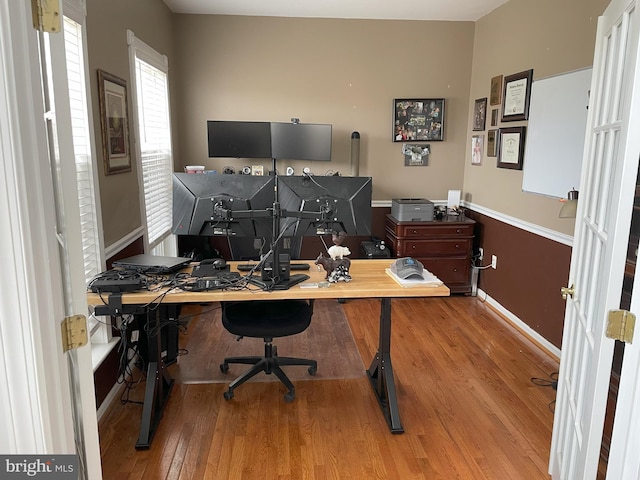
x=511, y=147
x=516, y=95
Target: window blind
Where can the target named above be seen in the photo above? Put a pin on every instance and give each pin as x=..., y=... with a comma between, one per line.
x=82, y=147
x=155, y=149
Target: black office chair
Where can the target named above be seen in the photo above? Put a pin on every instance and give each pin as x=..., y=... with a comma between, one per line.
x=267, y=319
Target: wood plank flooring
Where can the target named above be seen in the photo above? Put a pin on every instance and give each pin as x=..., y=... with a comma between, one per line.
x=467, y=403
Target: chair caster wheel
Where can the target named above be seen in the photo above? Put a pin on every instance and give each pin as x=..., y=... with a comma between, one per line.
x=312, y=370
x=289, y=397
x=224, y=367
x=228, y=395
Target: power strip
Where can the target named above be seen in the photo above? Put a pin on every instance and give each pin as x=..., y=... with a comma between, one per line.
x=120, y=285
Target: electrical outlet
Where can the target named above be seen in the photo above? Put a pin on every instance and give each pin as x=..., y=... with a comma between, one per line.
x=494, y=262
x=480, y=254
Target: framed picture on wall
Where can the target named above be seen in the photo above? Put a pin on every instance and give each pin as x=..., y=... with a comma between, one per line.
x=516, y=95
x=496, y=90
x=511, y=147
x=418, y=119
x=114, y=123
x=480, y=114
x=477, y=148
x=491, y=143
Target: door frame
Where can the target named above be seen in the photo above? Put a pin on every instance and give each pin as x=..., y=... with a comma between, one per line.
x=37, y=404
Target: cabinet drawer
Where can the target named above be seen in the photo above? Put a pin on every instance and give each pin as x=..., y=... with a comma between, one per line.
x=418, y=248
x=452, y=271
x=438, y=230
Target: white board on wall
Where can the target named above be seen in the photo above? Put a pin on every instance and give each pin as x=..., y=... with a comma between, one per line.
x=555, y=134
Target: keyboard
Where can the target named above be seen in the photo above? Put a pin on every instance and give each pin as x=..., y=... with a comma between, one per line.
x=247, y=267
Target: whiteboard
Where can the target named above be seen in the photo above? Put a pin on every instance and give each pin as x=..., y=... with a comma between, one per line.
x=556, y=133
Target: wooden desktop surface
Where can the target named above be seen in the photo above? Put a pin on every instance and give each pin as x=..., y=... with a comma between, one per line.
x=369, y=280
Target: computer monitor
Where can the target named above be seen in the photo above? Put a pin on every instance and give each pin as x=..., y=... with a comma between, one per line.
x=301, y=141
x=218, y=204
x=325, y=204
x=239, y=139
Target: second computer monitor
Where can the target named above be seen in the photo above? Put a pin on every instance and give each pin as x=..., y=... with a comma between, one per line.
x=327, y=203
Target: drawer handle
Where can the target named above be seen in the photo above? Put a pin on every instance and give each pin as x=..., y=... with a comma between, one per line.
x=455, y=269
x=458, y=231
x=457, y=246
x=415, y=231
x=413, y=246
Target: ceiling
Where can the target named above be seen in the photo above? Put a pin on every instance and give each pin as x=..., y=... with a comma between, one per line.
x=454, y=10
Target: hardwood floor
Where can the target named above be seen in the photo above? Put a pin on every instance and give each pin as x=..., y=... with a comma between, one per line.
x=467, y=402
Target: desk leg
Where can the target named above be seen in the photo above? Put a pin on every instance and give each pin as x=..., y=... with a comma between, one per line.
x=159, y=382
x=381, y=371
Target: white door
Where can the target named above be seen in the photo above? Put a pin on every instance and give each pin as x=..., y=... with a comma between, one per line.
x=624, y=461
x=50, y=408
x=612, y=149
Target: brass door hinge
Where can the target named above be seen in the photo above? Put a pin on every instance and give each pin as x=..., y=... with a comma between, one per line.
x=620, y=325
x=567, y=292
x=74, y=332
x=46, y=15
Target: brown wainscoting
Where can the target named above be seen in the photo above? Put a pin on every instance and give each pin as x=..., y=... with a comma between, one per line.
x=530, y=272
x=106, y=375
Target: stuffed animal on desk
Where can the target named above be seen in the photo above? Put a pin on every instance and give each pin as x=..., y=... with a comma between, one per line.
x=336, y=265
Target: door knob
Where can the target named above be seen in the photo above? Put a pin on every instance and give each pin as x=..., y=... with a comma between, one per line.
x=567, y=292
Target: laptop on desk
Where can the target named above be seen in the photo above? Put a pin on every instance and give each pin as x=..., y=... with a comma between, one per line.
x=153, y=263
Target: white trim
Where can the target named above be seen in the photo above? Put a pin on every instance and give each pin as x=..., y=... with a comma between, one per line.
x=520, y=325
x=124, y=242
x=100, y=351
x=76, y=10
x=509, y=220
x=35, y=405
x=113, y=394
x=147, y=53
x=523, y=225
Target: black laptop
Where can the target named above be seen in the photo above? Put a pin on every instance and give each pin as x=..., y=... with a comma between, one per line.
x=153, y=263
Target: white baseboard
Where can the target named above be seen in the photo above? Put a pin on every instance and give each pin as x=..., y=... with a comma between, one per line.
x=522, y=326
x=113, y=394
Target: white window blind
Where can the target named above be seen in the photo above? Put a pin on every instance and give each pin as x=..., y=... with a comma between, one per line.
x=155, y=148
x=82, y=147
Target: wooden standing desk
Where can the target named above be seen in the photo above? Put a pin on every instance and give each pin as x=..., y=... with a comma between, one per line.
x=369, y=281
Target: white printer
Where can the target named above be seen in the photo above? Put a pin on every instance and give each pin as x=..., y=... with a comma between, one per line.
x=412, y=209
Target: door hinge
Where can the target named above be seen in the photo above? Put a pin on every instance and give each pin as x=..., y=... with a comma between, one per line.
x=567, y=292
x=74, y=332
x=46, y=15
x=620, y=325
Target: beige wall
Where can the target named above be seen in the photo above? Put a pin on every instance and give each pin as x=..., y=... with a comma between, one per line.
x=551, y=37
x=107, y=25
x=343, y=72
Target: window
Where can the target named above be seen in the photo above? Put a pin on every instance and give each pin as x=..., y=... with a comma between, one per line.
x=82, y=148
x=84, y=158
x=151, y=95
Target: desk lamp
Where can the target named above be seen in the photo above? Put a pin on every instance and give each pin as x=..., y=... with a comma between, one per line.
x=570, y=205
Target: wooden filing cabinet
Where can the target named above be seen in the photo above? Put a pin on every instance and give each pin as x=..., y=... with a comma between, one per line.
x=443, y=246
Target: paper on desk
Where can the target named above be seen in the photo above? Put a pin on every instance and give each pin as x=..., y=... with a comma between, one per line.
x=428, y=279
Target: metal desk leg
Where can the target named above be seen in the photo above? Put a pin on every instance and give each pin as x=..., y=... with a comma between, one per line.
x=159, y=382
x=381, y=371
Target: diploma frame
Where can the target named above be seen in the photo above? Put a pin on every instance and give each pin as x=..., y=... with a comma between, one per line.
x=511, y=147
x=516, y=94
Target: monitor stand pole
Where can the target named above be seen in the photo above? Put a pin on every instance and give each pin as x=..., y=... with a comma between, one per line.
x=278, y=277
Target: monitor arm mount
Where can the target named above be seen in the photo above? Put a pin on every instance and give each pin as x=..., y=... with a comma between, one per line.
x=275, y=269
